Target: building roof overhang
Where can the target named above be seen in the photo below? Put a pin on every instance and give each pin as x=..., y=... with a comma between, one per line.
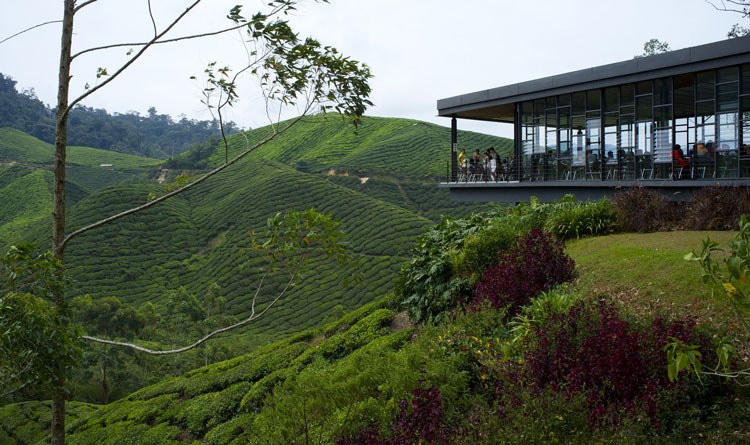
x=497, y=104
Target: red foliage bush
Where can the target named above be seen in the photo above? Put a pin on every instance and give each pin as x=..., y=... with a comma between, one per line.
x=420, y=421
x=619, y=367
x=535, y=263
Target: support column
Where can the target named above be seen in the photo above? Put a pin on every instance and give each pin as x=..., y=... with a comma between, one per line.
x=454, y=150
x=516, y=163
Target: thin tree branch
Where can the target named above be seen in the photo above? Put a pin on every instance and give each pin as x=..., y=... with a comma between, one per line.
x=179, y=190
x=250, y=319
x=29, y=29
x=132, y=60
x=176, y=39
x=745, y=11
x=84, y=4
x=151, y=14
x=14, y=390
x=257, y=291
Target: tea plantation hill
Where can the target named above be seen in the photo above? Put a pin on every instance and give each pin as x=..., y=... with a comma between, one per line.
x=399, y=161
x=198, y=237
x=26, y=178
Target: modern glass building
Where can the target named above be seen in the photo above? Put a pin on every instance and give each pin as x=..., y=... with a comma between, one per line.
x=673, y=121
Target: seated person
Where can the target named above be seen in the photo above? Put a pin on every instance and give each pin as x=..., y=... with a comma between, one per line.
x=700, y=150
x=678, y=157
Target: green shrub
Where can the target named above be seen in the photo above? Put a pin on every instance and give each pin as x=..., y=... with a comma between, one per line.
x=481, y=249
x=575, y=220
x=427, y=285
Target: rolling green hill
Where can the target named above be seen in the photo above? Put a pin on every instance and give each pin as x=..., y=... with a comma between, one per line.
x=391, y=147
x=199, y=237
x=18, y=146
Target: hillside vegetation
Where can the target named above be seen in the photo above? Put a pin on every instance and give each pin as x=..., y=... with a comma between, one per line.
x=370, y=368
x=195, y=244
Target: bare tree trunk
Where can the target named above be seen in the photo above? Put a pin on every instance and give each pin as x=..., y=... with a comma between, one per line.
x=58, y=214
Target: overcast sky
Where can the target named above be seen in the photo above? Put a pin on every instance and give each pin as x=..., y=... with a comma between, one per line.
x=418, y=50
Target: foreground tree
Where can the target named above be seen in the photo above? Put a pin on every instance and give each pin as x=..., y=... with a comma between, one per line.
x=292, y=72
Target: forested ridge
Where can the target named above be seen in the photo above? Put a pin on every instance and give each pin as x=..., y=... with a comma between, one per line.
x=153, y=135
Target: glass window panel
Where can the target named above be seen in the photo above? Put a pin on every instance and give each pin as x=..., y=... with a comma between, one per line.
x=564, y=116
x=663, y=91
x=579, y=102
x=551, y=139
x=539, y=109
x=627, y=110
x=627, y=133
x=643, y=137
x=730, y=74
x=527, y=109
x=593, y=100
x=610, y=119
x=551, y=102
x=564, y=142
x=592, y=114
x=727, y=97
x=746, y=78
x=684, y=96
x=563, y=99
x=705, y=85
x=578, y=140
x=746, y=136
x=643, y=108
x=627, y=93
x=611, y=99
x=644, y=87
x=704, y=108
x=663, y=116
x=663, y=145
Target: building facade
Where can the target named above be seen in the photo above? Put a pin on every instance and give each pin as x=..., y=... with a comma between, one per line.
x=673, y=122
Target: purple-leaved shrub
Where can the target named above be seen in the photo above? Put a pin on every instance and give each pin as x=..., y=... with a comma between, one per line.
x=535, y=263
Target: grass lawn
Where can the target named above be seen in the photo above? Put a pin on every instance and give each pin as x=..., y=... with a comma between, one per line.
x=647, y=275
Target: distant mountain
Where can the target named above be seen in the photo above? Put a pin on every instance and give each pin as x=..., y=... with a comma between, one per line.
x=155, y=135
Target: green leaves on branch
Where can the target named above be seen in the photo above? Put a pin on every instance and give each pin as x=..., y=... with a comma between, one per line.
x=682, y=356
x=36, y=336
x=293, y=236
x=729, y=280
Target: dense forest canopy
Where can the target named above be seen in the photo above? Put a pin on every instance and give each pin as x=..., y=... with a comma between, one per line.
x=155, y=135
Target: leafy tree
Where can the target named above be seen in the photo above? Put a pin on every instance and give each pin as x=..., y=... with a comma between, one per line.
x=653, y=47
x=37, y=343
x=292, y=71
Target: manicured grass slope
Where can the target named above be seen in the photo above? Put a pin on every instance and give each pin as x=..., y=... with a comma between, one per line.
x=646, y=274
